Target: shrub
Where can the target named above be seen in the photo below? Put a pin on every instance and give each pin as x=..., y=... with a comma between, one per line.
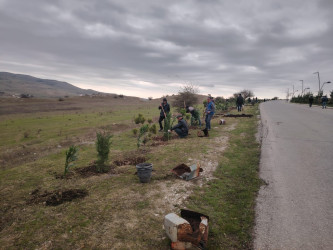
x=150, y=121
x=142, y=135
x=182, y=111
x=139, y=119
x=153, y=129
x=71, y=157
x=168, y=125
x=26, y=134
x=135, y=131
x=103, y=145
x=222, y=106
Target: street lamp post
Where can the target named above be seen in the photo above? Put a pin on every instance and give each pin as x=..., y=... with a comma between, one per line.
x=318, y=81
x=302, y=86
x=321, y=89
x=306, y=89
x=294, y=91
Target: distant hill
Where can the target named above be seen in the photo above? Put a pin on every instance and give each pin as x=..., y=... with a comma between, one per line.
x=24, y=84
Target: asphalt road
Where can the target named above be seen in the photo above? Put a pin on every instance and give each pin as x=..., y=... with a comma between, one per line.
x=295, y=209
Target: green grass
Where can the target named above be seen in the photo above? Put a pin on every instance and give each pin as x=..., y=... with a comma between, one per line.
x=120, y=212
x=230, y=199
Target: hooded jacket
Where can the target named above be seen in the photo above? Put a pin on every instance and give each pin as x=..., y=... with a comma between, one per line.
x=166, y=108
x=182, y=125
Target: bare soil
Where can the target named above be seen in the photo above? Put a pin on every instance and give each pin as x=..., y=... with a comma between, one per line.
x=241, y=115
x=34, y=105
x=131, y=160
x=57, y=197
x=92, y=170
x=173, y=191
x=181, y=169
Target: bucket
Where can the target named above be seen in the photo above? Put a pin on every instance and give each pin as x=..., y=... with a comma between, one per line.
x=222, y=122
x=144, y=171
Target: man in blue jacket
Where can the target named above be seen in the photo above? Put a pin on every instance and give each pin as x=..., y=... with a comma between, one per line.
x=181, y=128
x=210, y=110
x=165, y=109
x=324, y=101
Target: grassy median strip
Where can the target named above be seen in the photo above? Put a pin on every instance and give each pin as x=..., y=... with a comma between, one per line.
x=229, y=200
x=115, y=210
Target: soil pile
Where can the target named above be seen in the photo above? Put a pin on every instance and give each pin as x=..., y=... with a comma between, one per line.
x=56, y=197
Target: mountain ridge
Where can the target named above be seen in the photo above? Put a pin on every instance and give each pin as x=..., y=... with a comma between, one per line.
x=17, y=84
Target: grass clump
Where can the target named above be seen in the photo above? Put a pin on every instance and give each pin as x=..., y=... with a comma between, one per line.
x=135, y=131
x=71, y=157
x=103, y=145
x=153, y=129
x=139, y=119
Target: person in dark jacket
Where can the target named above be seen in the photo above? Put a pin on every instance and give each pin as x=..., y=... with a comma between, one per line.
x=165, y=109
x=239, y=102
x=310, y=101
x=181, y=128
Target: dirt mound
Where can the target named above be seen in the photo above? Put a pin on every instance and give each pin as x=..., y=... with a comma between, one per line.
x=92, y=170
x=131, y=160
x=241, y=115
x=181, y=169
x=56, y=197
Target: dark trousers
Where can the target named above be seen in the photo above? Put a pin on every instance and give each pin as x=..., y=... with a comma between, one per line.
x=207, y=120
x=324, y=105
x=160, y=121
x=239, y=107
x=310, y=104
x=181, y=133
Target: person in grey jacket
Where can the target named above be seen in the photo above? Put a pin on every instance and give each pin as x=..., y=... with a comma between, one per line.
x=181, y=128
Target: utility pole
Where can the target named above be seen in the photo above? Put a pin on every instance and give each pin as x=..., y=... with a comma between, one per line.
x=302, y=87
x=318, y=81
x=293, y=90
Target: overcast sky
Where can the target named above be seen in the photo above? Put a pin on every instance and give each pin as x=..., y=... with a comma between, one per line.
x=151, y=48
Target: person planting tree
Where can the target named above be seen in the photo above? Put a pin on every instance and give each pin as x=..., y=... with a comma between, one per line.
x=181, y=128
x=165, y=109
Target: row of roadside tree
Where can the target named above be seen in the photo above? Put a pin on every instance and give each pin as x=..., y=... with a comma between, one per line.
x=316, y=99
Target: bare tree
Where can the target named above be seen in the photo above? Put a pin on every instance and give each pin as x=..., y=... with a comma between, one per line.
x=187, y=95
x=246, y=93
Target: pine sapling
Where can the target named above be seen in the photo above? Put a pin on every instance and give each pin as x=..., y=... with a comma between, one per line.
x=168, y=125
x=142, y=132
x=103, y=145
x=71, y=157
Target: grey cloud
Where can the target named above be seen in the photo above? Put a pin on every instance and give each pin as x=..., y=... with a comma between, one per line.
x=216, y=44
